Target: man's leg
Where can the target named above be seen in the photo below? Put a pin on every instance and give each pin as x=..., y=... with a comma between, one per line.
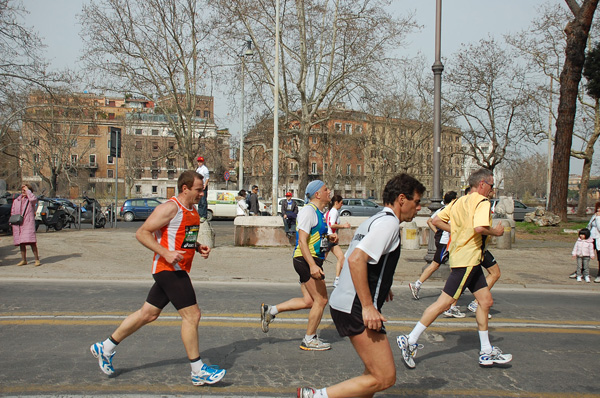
x=190, y=317
x=148, y=313
x=380, y=370
x=318, y=292
x=203, y=204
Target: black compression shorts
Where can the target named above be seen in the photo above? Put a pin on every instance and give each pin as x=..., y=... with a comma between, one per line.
x=488, y=260
x=464, y=277
x=172, y=286
x=303, y=269
x=349, y=324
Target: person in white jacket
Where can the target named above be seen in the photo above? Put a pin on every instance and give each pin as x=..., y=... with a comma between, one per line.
x=242, y=205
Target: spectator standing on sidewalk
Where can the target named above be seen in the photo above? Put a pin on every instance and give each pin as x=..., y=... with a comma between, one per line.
x=582, y=251
x=364, y=286
x=594, y=227
x=311, y=244
x=289, y=212
x=468, y=219
x=24, y=234
x=203, y=204
x=242, y=205
x=253, y=202
x=171, y=232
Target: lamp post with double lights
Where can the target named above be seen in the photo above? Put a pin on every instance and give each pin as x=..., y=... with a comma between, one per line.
x=246, y=52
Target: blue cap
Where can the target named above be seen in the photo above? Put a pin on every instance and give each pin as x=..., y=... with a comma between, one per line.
x=313, y=187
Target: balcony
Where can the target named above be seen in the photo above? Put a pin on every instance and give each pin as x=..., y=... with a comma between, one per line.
x=91, y=165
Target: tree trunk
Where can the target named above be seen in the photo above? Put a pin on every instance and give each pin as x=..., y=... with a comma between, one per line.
x=577, y=33
x=583, y=187
x=303, y=152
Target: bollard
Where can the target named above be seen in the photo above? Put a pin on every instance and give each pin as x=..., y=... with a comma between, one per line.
x=410, y=236
x=504, y=241
x=206, y=235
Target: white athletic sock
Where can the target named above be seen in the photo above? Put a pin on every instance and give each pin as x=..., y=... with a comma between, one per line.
x=452, y=306
x=197, y=365
x=308, y=338
x=322, y=393
x=484, y=339
x=418, y=284
x=413, y=337
x=108, y=346
x=273, y=310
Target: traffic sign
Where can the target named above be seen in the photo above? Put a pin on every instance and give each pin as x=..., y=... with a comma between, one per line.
x=226, y=176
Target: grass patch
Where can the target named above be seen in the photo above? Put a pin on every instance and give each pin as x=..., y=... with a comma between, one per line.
x=526, y=230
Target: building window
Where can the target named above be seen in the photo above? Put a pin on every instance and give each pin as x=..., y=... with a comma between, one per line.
x=171, y=174
x=92, y=159
x=74, y=143
x=138, y=189
x=155, y=174
x=110, y=173
x=348, y=169
x=154, y=132
x=313, y=168
x=74, y=159
x=358, y=169
x=313, y=153
x=314, y=139
x=155, y=146
x=207, y=114
x=337, y=168
x=36, y=157
x=171, y=146
x=93, y=130
x=338, y=127
x=348, y=128
x=111, y=116
x=359, y=129
x=36, y=142
x=138, y=145
x=110, y=160
x=325, y=168
x=92, y=143
x=154, y=189
x=138, y=131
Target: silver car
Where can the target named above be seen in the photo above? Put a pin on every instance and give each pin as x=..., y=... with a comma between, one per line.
x=359, y=207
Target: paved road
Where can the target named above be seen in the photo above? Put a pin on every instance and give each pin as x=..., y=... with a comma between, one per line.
x=47, y=327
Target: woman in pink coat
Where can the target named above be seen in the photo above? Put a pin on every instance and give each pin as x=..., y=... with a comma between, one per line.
x=24, y=234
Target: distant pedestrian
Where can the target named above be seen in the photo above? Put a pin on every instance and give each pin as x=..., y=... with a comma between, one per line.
x=253, y=202
x=24, y=234
x=289, y=213
x=242, y=206
x=203, y=204
x=311, y=244
x=365, y=285
x=594, y=227
x=171, y=232
x=582, y=251
x=333, y=224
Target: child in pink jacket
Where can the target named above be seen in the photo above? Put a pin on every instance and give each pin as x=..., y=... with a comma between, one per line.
x=583, y=251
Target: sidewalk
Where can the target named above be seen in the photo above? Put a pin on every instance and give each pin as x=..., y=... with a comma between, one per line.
x=115, y=255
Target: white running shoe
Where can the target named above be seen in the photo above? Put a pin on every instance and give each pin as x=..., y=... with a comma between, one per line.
x=414, y=290
x=306, y=392
x=315, y=344
x=265, y=317
x=496, y=356
x=578, y=279
x=454, y=312
x=409, y=351
x=587, y=279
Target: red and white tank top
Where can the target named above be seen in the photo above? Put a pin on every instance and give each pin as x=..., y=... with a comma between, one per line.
x=181, y=233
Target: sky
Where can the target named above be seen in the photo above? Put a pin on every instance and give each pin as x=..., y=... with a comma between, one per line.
x=463, y=21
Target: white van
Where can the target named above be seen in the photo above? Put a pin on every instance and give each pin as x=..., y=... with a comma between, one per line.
x=223, y=204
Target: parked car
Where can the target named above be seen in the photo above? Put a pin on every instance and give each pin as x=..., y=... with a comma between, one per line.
x=520, y=209
x=299, y=202
x=223, y=204
x=138, y=209
x=359, y=207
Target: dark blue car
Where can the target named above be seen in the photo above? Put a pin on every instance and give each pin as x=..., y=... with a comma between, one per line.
x=138, y=209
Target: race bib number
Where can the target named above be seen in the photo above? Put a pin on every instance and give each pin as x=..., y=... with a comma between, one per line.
x=191, y=236
x=324, y=244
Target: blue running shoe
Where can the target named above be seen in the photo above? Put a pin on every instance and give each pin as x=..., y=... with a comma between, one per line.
x=104, y=360
x=208, y=375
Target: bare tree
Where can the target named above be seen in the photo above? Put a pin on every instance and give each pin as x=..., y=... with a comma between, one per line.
x=577, y=31
x=331, y=51
x=489, y=95
x=525, y=177
x=154, y=49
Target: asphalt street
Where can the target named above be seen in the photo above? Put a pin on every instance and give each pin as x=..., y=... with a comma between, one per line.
x=47, y=328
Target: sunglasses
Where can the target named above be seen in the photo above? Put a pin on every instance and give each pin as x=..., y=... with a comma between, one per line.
x=491, y=185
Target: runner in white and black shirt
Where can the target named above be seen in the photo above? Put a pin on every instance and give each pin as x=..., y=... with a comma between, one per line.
x=364, y=286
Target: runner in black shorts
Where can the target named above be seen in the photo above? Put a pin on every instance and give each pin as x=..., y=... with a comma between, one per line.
x=490, y=264
x=364, y=286
x=175, y=287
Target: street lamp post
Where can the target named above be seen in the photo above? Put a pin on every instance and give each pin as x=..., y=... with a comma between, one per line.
x=437, y=68
x=246, y=52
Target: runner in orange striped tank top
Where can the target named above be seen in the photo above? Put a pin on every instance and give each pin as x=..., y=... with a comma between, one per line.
x=170, y=232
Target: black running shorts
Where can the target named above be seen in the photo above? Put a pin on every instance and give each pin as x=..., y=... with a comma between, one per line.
x=303, y=269
x=172, y=286
x=441, y=253
x=464, y=277
x=488, y=260
x=349, y=324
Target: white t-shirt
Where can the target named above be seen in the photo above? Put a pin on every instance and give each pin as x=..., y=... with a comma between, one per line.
x=307, y=219
x=445, y=235
x=203, y=171
x=333, y=217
